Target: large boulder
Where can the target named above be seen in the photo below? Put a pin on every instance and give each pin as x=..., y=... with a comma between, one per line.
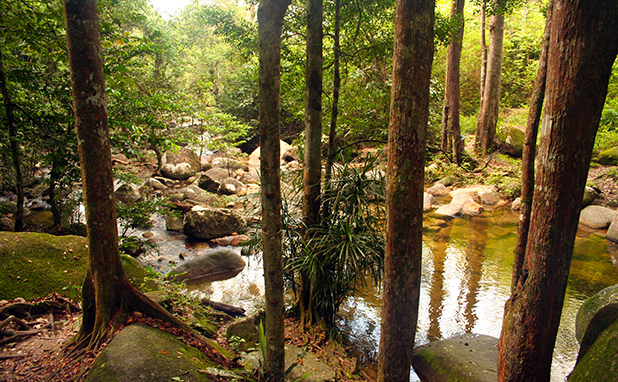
x=285, y=154
x=463, y=203
x=211, y=180
x=142, y=353
x=591, y=307
x=218, y=264
x=467, y=357
x=590, y=195
x=597, y=217
x=438, y=189
x=609, y=157
x=245, y=332
x=127, y=193
x=181, y=165
x=210, y=223
x=428, y=201
x=510, y=140
x=231, y=186
x=612, y=231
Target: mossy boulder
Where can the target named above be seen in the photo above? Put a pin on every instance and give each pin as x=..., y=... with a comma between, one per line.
x=142, y=353
x=219, y=264
x=591, y=307
x=467, y=357
x=37, y=264
x=609, y=157
x=510, y=140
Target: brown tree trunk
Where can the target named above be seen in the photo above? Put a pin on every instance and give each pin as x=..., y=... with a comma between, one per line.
x=108, y=295
x=332, y=135
x=529, y=152
x=488, y=115
x=270, y=22
x=412, y=59
x=483, y=74
x=583, y=47
x=451, y=132
x=15, y=150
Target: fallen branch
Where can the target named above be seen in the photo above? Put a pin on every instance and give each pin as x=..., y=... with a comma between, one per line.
x=225, y=308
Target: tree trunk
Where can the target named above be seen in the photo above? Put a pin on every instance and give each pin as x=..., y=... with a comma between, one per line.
x=583, y=47
x=412, y=59
x=488, y=115
x=15, y=150
x=529, y=152
x=451, y=133
x=332, y=135
x=108, y=295
x=483, y=74
x=270, y=22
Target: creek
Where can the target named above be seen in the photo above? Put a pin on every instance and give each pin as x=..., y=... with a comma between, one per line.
x=465, y=282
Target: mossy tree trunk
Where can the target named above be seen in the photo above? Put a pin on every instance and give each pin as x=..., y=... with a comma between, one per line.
x=270, y=23
x=451, y=131
x=409, y=112
x=583, y=47
x=529, y=151
x=108, y=295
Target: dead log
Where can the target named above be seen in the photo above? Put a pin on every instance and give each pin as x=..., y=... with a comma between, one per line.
x=233, y=311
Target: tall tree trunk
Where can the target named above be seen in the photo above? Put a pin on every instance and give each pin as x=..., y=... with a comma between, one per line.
x=529, y=152
x=451, y=132
x=412, y=59
x=15, y=150
x=108, y=295
x=332, y=135
x=313, y=145
x=483, y=74
x=488, y=115
x=270, y=22
x=583, y=47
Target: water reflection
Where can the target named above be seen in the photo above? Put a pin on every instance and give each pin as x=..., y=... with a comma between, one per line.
x=466, y=279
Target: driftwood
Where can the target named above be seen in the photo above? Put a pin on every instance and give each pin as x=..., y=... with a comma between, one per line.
x=233, y=311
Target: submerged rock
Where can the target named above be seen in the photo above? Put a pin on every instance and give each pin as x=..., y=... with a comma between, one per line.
x=468, y=357
x=218, y=264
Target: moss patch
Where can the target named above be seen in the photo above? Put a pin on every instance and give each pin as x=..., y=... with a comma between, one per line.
x=600, y=362
x=609, y=156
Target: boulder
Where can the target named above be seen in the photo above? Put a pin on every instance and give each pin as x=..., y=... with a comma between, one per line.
x=181, y=165
x=218, y=264
x=291, y=154
x=250, y=177
x=254, y=157
x=428, y=201
x=174, y=222
x=590, y=195
x=193, y=192
x=597, y=217
x=127, y=193
x=229, y=164
x=597, y=359
x=244, y=333
x=142, y=353
x=612, y=231
x=231, y=186
x=463, y=203
x=467, y=357
x=609, y=157
x=516, y=205
x=448, y=180
x=211, y=180
x=490, y=196
x=156, y=184
x=210, y=223
x=7, y=207
x=591, y=307
x=510, y=140
x=438, y=189
x=234, y=240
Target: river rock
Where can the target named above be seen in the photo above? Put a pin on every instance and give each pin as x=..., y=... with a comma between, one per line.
x=174, y=222
x=463, y=203
x=195, y=193
x=229, y=164
x=7, y=207
x=510, y=140
x=597, y=217
x=210, y=223
x=467, y=357
x=127, y=193
x=218, y=264
x=609, y=157
x=181, y=165
x=448, y=180
x=250, y=177
x=590, y=195
x=612, y=231
x=438, y=189
x=591, y=307
x=245, y=332
x=489, y=196
x=155, y=184
x=231, y=186
x=516, y=205
x=143, y=353
x=428, y=201
x=254, y=157
x=211, y=180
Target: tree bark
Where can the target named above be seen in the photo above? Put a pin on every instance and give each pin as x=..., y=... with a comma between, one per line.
x=488, y=115
x=15, y=150
x=108, y=295
x=451, y=132
x=270, y=23
x=529, y=152
x=583, y=47
x=412, y=59
x=483, y=74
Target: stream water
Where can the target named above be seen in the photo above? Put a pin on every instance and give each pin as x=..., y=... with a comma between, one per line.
x=466, y=278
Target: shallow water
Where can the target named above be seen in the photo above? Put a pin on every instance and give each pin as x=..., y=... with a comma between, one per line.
x=465, y=282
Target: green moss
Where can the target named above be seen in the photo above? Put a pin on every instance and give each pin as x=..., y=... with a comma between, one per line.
x=601, y=361
x=609, y=156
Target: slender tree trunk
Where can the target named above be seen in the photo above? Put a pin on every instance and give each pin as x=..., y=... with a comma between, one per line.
x=412, y=59
x=451, y=132
x=270, y=22
x=529, y=152
x=583, y=47
x=483, y=74
x=488, y=115
x=332, y=135
x=108, y=295
x=15, y=150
